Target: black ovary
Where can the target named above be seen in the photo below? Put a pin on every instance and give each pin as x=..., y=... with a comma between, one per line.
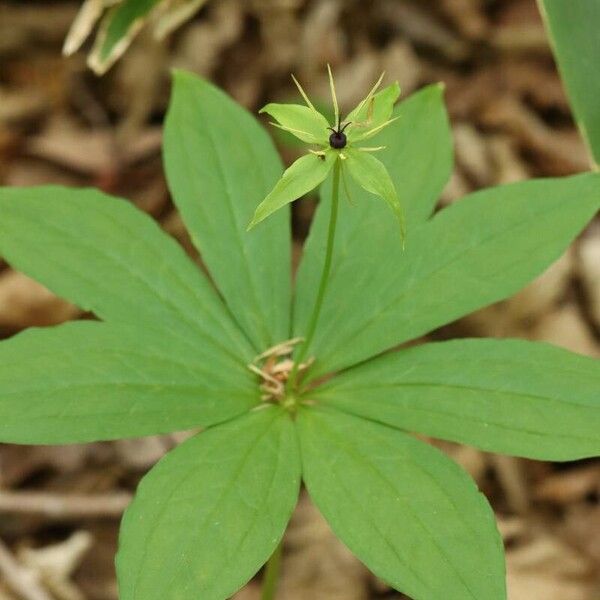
x=338, y=140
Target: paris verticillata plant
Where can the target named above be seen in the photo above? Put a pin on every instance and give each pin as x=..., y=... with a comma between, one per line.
x=294, y=384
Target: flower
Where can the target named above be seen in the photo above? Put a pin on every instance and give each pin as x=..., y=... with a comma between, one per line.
x=335, y=142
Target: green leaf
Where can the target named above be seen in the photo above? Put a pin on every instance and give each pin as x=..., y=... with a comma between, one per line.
x=406, y=510
x=88, y=381
x=573, y=27
x=302, y=177
x=371, y=174
x=210, y=514
x=372, y=115
x=306, y=124
x=479, y=250
x=220, y=164
x=508, y=396
x=108, y=257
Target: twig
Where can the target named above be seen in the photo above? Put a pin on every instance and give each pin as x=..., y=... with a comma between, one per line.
x=65, y=506
x=21, y=580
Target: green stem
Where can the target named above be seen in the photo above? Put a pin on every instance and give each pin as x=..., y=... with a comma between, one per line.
x=324, y=278
x=272, y=574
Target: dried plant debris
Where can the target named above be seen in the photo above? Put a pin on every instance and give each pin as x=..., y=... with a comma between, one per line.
x=119, y=22
x=60, y=124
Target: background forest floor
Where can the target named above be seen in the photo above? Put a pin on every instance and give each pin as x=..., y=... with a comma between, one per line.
x=60, y=507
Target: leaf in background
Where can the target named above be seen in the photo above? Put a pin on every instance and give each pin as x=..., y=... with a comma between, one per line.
x=301, y=177
x=117, y=30
x=108, y=257
x=573, y=26
x=87, y=381
x=406, y=510
x=209, y=515
x=478, y=251
x=220, y=164
x=507, y=396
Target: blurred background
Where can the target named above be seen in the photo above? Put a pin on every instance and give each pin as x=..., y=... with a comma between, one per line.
x=60, y=123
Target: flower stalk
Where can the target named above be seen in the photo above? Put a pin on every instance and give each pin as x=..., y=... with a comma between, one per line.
x=314, y=319
x=335, y=148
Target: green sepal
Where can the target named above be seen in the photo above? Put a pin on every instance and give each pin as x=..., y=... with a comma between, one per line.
x=371, y=114
x=370, y=173
x=301, y=177
x=305, y=123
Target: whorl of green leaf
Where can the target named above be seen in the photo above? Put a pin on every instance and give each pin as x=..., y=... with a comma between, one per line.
x=174, y=346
